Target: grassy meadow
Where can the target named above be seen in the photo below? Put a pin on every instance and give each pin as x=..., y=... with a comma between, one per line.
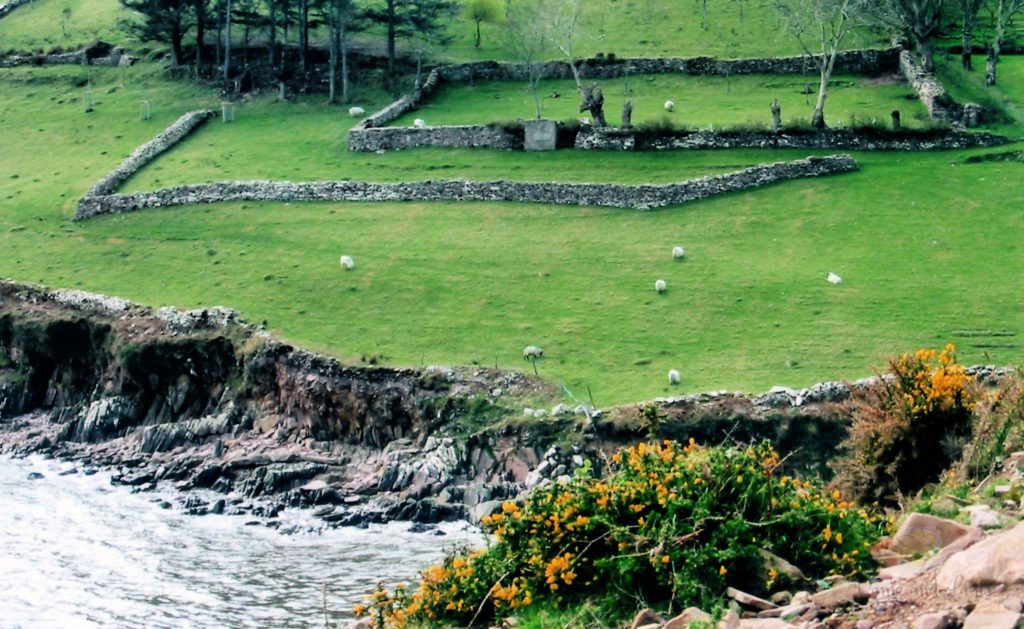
x=928, y=245
x=700, y=101
x=924, y=242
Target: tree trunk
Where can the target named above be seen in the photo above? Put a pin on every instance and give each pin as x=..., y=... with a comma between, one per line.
x=227, y=42
x=303, y=33
x=200, y=10
x=176, y=52
x=344, y=63
x=391, y=39
x=476, y=42
x=333, y=66
x=273, y=34
x=968, y=45
x=245, y=42
x=990, y=65
x=927, y=51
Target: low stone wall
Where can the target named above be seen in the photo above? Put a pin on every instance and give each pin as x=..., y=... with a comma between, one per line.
x=640, y=197
x=906, y=140
x=149, y=151
x=468, y=136
x=116, y=57
x=933, y=95
x=11, y=5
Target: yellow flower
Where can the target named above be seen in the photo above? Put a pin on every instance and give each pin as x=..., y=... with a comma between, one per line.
x=827, y=533
x=722, y=570
x=839, y=538
x=664, y=559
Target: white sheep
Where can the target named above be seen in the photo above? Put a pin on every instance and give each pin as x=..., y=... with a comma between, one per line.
x=532, y=352
x=678, y=253
x=356, y=112
x=348, y=263
x=669, y=105
x=673, y=377
x=661, y=286
x=834, y=279
x=419, y=123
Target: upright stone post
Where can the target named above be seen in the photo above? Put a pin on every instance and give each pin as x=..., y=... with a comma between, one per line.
x=540, y=135
x=627, y=115
x=897, y=123
x=227, y=111
x=776, y=116
x=147, y=109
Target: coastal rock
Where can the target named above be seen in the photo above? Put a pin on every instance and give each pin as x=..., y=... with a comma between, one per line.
x=997, y=560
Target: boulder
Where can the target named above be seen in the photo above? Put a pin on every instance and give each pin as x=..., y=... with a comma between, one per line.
x=903, y=571
x=646, y=617
x=748, y=600
x=993, y=561
x=936, y=620
x=840, y=596
x=921, y=533
x=983, y=517
x=783, y=567
x=991, y=615
x=689, y=616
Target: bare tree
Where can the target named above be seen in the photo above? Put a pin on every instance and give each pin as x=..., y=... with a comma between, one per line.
x=1004, y=12
x=563, y=19
x=969, y=15
x=917, y=20
x=529, y=41
x=340, y=16
x=482, y=12
x=820, y=26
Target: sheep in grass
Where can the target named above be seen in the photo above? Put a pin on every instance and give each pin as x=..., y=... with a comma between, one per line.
x=669, y=106
x=673, y=377
x=678, y=253
x=834, y=279
x=419, y=123
x=661, y=286
x=532, y=352
x=348, y=263
x=356, y=112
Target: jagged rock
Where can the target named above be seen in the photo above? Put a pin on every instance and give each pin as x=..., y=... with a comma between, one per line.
x=921, y=533
x=991, y=615
x=786, y=613
x=840, y=596
x=35, y=476
x=936, y=620
x=903, y=571
x=783, y=567
x=748, y=600
x=689, y=616
x=100, y=420
x=166, y=437
x=646, y=617
x=993, y=561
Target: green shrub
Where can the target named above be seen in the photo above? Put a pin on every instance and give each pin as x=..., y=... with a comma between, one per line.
x=998, y=429
x=672, y=525
x=909, y=429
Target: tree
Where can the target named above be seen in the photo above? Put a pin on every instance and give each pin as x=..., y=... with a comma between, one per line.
x=227, y=41
x=1003, y=14
x=969, y=15
x=65, y=15
x=163, y=21
x=342, y=17
x=529, y=41
x=917, y=20
x=482, y=12
x=408, y=18
x=820, y=26
x=200, y=9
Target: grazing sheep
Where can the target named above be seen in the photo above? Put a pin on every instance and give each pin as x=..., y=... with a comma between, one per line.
x=834, y=279
x=356, y=112
x=532, y=352
x=678, y=253
x=348, y=263
x=673, y=377
x=419, y=123
x=660, y=286
x=669, y=105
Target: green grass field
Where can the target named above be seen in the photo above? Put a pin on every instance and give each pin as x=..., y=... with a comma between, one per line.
x=37, y=25
x=699, y=101
x=928, y=246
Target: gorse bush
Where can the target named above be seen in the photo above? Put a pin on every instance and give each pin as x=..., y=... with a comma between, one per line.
x=672, y=525
x=910, y=429
x=998, y=430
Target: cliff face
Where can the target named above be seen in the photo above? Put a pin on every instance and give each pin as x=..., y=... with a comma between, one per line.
x=205, y=401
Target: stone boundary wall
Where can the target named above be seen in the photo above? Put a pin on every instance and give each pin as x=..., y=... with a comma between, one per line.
x=849, y=139
x=851, y=61
x=116, y=58
x=933, y=95
x=146, y=153
x=636, y=197
x=11, y=5
x=467, y=136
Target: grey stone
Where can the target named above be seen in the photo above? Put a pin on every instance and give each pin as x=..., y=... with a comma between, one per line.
x=540, y=135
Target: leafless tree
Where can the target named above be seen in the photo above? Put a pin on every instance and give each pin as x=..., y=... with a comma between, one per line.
x=820, y=26
x=529, y=40
x=1004, y=12
x=969, y=16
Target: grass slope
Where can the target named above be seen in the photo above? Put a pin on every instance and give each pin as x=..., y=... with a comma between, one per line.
x=37, y=25
x=929, y=248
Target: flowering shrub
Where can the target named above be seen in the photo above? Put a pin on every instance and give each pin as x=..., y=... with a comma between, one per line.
x=910, y=429
x=672, y=525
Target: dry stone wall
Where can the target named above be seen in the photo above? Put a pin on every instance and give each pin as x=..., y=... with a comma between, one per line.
x=906, y=140
x=99, y=54
x=468, y=136
x=148, y=152
x=933, y=95
x=11, y=5
x=637, y=197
